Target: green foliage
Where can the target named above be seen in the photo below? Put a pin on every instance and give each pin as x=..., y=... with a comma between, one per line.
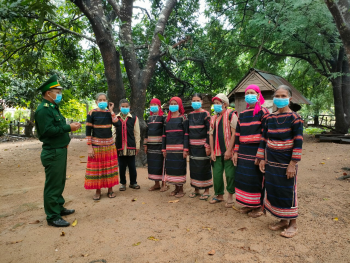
x=4, y=125
x=315, y=130
x=21, y=115
x=74, y=110
x=8, y=116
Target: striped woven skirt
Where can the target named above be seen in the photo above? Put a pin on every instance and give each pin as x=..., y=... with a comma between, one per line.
x=175, y=168
x=200, y=168
x=102, y=170
x=281, y=193
x=155, y=162
x=249, y=179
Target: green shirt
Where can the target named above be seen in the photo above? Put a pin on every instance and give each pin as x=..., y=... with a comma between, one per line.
x=51, y=126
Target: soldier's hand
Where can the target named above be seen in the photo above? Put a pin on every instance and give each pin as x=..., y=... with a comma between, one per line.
x=111, y=106
x=75, y=126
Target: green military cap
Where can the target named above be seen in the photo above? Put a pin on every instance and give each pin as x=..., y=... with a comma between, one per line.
x=51, y=83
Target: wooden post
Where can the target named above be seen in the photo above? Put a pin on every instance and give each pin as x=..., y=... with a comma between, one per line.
x=18, y=123
x=11, y=127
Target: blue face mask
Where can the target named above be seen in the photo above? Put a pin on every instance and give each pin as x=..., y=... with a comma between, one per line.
x=102, y=105
x=174, y=108
x=154, y=109
x=125, y=110
x=251, y=98
x=196, y=105
x=218, y=108
x=281, y=102
x=58, y=98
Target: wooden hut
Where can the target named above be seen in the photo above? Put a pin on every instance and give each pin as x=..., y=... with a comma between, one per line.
x=268, y=83
x=187, y=104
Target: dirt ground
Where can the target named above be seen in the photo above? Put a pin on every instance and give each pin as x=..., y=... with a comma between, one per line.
x=119, y=230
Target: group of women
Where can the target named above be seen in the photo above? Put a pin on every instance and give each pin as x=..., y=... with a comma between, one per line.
x=258, y=151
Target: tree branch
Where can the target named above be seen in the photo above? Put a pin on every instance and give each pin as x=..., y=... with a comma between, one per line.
x=115, y=7
x=172, y=75
x=144, y=10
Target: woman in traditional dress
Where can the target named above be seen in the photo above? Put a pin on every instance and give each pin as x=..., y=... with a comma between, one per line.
x=153, y=146
x=200, y=168
x=249, y=178
x=102, y=165
x=279, y=152
x=175, y=146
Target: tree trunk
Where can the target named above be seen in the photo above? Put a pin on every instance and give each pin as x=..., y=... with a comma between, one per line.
x=346, y=91
x=340, y=12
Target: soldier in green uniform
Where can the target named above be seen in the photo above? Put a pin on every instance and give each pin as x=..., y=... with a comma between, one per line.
x=54, y=133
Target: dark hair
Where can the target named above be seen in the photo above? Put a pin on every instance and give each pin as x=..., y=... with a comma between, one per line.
x=123, y=101
x=197, y=95
x=285, y=87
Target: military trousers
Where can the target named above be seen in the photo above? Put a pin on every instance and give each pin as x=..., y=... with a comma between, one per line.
x=55, y=163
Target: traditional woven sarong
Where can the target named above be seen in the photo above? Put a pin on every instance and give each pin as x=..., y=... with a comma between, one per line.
x=281, y=193
x=102, y=170
x=249, y=179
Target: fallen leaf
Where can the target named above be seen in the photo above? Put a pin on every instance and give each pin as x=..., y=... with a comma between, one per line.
x=235, y=208
x=322, y=163
x=75, y=222
x=136, y=244
x=206, y=228
x=14, y=242
x=6, y=150
x=153, y=238
x=133, y=200
x=143, y=203
x=335, y=218
x=35, y=222
x=243, y=228
x=68, y=176
x=211, y=252
x=187, y=230
x=325, y=199
x=173, y=201
x=81, y=156
x=18, y=165
x=62, y=234
x=345, y=174
x=84, y=255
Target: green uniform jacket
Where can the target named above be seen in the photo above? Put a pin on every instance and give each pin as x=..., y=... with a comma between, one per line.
x=51, y=126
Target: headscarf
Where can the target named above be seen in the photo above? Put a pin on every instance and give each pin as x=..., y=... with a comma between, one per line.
x=157, y=101
x=181, y=107
x=259, y=102
x=221, y=97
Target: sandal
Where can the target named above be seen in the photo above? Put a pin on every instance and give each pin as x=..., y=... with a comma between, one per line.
x=229, y=205
x=96, y=197
x=289, y=234
x=194, y=194
x=245, y=210
x=204, y=197
x=255, y=214
x=134, y=186
x=163, y=189
x=122, y=187
x=111, y=195
x=179, y=195
x=153, y=188
x=215, y=200
x=277, y=226
x=173, y=193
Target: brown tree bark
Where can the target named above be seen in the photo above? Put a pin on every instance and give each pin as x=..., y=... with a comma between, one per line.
x=341, y=14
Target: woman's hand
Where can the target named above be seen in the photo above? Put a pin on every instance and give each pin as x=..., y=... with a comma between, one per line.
x=213, y=156
x=164, y=154
x=145, y=149
x=111, y=106
x=235, y=158
x=262, y=166
x=91, y=152
x=185, y=154
x=291, y=170
x=257, y=161
x=228, y=155
x=207, y=151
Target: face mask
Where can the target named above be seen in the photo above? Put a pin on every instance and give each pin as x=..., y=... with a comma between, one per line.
x=281, y=102
x=217, y=108
x=174, y=108
x=196, y=105
x=58, y=98
x=251, y=98
x=125, y=110
x=102, y=105
x=154, y=109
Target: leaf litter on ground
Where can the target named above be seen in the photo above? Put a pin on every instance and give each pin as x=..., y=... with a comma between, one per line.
x=75, y=222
